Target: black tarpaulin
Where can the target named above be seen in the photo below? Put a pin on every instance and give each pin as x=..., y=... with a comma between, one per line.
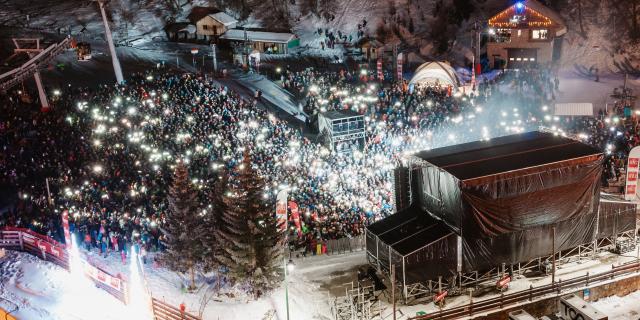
x=505, y=196
x=426, y=245
x=481, y=204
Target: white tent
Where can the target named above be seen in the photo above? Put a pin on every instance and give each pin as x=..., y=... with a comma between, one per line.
x=435, y=73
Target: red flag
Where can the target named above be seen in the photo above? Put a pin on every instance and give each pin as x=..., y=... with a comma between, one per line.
x=295, y=215
x=65, y=227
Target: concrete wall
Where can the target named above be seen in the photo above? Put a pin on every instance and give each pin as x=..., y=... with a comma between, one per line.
x=548, y=306
x=545, y=48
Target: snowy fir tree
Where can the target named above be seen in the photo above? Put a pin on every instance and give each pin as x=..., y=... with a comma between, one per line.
x=212, y=221
x=183, y=228
x=250, y=237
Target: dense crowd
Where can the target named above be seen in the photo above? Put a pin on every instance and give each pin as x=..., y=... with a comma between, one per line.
x=106, y=154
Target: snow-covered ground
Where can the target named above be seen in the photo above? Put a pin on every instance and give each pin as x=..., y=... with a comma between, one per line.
x=620, y=308
x=44, y=291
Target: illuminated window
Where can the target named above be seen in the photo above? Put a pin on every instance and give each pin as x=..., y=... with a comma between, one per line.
x=533, y=59
x=511, y=59
x=502, y=35
x=525, y=59
x=519, y=33
x=518, y=59
x=541, y=34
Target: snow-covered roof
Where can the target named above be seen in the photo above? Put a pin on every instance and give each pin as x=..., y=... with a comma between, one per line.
x=536, y=13
x=180, y=27
x=223, y=18
x=198, y=13
x=435, y=72
x=260, y=36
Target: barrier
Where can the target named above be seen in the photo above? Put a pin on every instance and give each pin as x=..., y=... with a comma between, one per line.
x=113, y=285
x=505, y=300
x=343, y=245
x=48, y=249
x=164, y=311
x=41, y=246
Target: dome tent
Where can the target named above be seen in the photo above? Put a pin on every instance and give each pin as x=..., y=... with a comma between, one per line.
x=435, y=73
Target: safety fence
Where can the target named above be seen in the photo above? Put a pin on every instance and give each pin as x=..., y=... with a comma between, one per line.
x=505, y=300
x=48, y=249
x=165, y=311
x=344, y=245
x=41, y=246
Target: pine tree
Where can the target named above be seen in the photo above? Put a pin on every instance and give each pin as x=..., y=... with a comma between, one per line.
x=213, y=222
x=183, y=228
x=252, y=242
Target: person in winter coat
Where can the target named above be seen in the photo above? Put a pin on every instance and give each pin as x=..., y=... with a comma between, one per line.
x=87, y=241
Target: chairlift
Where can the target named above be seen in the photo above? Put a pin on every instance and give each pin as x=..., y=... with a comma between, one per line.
x=83, y=50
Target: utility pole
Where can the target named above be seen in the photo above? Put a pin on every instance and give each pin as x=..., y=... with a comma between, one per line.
x=393, y=289
x=112, y=49
x=553, y=260
x=49, y=199
x=215, y=60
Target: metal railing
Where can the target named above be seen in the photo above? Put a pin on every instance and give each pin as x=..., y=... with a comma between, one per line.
x=344, y=245
x=505, y=300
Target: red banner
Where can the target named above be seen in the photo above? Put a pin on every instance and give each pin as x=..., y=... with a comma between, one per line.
x=281, y=209
x=101, y=276
x=631, y=189
x=295, y=215
x=379, y=67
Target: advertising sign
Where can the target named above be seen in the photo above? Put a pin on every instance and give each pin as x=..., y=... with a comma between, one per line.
x=631, y=189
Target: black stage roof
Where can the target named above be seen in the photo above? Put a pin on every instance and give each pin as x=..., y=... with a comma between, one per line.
x=509, y=153
x=340, y=114
x=409, y=230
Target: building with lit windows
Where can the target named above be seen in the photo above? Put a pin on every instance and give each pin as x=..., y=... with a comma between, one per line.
x=525, y=34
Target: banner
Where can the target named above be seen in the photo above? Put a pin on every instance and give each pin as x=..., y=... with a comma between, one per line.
x=65, y=227
x=631, y=189
x=281, y=209
x=39, y=245
x=399, y=64
x=379, y=66
x=295, y=215
x=101, y=276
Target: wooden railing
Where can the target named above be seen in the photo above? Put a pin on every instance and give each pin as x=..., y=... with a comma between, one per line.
x=165, y=311
x=506, y=300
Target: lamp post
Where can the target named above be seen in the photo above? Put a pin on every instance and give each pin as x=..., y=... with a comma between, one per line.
x=288, y=265
x=194, y=51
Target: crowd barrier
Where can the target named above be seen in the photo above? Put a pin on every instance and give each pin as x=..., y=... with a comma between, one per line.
x=344, y=245
x=164, y=311
x=48, y=249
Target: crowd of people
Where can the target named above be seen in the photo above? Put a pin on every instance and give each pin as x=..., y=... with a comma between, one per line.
x=107, y=154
